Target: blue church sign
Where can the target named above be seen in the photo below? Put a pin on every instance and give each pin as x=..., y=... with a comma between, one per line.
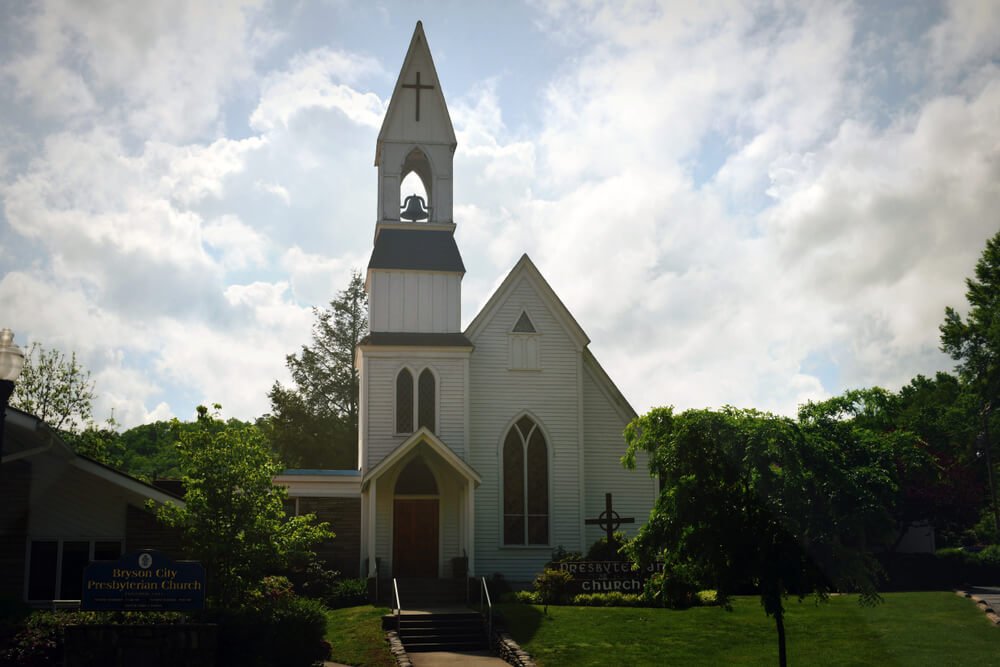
x=143, y=581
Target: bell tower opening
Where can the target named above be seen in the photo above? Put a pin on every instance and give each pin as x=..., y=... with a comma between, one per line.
x=415, y=188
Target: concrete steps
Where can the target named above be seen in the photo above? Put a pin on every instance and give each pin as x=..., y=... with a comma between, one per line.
x=447, y=631
x=434, y=617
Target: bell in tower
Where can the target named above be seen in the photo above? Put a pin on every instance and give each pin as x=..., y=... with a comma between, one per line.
x=414, y=209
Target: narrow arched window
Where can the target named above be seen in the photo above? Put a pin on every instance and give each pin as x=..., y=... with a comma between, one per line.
x=404, y=401
x=525, y=485
x=426, y=403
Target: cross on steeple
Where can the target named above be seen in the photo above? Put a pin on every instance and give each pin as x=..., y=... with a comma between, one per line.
x=417, y=87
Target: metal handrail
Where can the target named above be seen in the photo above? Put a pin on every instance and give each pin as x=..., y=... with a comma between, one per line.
x=399, y=607
x=484, y=589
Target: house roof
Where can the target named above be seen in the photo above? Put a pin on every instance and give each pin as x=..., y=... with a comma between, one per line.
x=425, y=436
x=417, y=249
x=26, y=436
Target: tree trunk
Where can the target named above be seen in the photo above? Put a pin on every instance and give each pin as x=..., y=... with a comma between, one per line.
x=779, y=622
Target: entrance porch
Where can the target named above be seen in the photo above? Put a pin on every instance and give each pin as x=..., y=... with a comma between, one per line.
x=418, y=512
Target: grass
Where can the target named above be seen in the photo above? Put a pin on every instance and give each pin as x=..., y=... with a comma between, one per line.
x=356, y=636
x=935, y=628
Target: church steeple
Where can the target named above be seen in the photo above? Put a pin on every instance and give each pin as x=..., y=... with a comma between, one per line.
x=416, y=137
x=415, y=273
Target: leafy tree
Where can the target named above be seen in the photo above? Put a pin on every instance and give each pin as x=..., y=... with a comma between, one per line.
x=753, y=498
x=101, y=443
x=55, y=389
x=951, y=490
x=315, y=425
x=149, y=451
x=233, y=520
x=975, y=344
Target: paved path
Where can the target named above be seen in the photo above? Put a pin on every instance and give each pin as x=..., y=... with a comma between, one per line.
x=989, y=593
x=988, y=599
x=446, y=658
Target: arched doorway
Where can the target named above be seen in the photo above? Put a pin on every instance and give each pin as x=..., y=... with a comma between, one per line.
x=415, y=522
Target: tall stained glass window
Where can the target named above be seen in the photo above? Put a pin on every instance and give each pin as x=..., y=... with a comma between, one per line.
x=525, y=485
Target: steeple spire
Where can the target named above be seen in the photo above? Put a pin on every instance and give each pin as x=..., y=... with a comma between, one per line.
x=416, y=136
x=414, y=279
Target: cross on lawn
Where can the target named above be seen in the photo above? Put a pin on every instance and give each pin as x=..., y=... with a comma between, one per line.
x=609, y=519
x=417, y=87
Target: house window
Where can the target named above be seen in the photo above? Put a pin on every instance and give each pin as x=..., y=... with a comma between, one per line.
x=404, y=401
x=525, y=485
x=55, y=567
x=427, y=391
x=524, y=344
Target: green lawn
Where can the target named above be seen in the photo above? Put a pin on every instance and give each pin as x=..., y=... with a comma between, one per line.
x=357, y=637
x=906, y=629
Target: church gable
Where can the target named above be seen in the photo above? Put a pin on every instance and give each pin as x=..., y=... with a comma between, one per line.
x=527, y=283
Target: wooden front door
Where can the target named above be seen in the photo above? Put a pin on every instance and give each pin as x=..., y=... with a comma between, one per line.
x=415, y=538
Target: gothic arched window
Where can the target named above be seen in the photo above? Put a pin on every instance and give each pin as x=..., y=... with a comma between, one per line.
x=404, y=401
x=426, y=394
x=525, y=485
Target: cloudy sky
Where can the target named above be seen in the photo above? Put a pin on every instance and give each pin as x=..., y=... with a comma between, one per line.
x=746, y=203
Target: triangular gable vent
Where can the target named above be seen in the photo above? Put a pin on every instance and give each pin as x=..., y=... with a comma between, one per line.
x=524, y=324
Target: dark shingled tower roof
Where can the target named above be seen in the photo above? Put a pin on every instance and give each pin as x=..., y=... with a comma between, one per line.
x=417, y=249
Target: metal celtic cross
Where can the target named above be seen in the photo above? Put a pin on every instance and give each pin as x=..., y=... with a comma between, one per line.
x=609, y=519
x=417, y=87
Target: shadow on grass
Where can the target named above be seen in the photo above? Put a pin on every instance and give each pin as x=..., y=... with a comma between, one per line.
x=523, y=620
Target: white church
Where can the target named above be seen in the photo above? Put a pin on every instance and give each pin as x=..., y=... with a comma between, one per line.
x=480, y=449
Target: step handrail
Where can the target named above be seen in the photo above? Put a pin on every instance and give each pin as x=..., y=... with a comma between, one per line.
x=484, y=589
x=399, y=607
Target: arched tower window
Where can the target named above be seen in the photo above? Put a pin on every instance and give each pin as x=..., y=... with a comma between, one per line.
x=427, y=391
x=416, y=180
x=525, y=485
x=404, y=401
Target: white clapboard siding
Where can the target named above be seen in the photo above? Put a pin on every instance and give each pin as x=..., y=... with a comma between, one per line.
x=380, y=388
x=498, y=395
x=633, y=491
x=415, y=301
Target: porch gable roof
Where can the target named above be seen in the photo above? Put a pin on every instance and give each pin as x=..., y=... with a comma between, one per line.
x=423, y=434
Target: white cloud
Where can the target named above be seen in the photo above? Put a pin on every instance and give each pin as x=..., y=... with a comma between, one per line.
x=317, y=279
x=279, y=191
x=319, y=79
x=241, y=246
x=738, y=205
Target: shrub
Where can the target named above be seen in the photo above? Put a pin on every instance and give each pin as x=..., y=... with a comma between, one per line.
x=603, y=550
x=348, y=593
x=290, y=632
x=676, y=588
x=552, y=586
x=315, y=581
x=948, y=568
x=524, y=597
x=990, y=556
x=39, y=638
